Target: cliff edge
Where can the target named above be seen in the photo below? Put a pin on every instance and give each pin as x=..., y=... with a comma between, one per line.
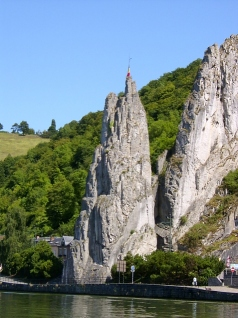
x=207, y=142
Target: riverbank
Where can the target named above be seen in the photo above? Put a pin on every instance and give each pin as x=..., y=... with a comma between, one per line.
x=130, y=290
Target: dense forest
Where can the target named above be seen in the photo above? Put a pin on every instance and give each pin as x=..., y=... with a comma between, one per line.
x=41, y=193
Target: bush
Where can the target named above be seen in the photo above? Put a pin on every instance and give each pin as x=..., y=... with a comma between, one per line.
x=40, y=262
x=183, y=220
x=170, y=268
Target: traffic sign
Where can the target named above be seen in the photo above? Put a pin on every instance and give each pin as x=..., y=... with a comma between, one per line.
x=121, y=266
x=132, y=272
x=232, y=269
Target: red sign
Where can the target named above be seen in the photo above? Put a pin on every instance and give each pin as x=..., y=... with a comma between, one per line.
x=232, y=269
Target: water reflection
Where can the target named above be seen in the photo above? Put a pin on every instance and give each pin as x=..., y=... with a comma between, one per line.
x=61, y=306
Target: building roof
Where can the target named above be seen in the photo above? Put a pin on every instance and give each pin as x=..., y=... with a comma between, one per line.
x=67, y=239
x=56, y=241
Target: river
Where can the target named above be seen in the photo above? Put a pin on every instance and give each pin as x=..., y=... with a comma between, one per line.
x=24, y=305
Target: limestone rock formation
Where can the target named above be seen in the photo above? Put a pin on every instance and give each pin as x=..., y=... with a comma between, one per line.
x=117, y=214
x=207, y=142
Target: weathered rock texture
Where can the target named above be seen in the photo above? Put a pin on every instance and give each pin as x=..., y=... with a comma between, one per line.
x=207, y=142
x=118, y=210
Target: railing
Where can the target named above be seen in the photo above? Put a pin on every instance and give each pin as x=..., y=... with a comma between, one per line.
x=13, y=280
x=57, y=281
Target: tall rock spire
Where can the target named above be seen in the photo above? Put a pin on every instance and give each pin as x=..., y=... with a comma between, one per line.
x=118, y=210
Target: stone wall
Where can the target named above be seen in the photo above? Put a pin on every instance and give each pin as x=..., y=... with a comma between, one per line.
x=127, y=290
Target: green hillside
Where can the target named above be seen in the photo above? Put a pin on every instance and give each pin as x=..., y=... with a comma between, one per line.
x=17, y=145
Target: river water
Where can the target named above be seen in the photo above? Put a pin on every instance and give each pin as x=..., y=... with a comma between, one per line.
x=23, y=305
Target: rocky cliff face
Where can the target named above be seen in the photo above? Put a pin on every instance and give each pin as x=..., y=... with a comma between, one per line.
x=118, y=210
x=207, y=142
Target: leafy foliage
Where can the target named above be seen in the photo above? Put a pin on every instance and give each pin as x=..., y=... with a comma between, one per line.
x=52, y=127
x=231, y=182
x=163, y=100
x=15, y=238
x=51, y=132
x=49, y=182
x=23, y=128
x=40, y=262
x=170, y=268
x=61, y=205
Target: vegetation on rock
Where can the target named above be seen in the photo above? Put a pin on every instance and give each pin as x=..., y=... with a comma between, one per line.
x=218, y=209
x=163, y=100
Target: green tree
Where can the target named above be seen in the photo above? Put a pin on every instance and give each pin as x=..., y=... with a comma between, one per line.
x=15, y=128
x=31, y=131
x=61, y=205
x=15, y=240
x=1, y=126
x=23, y=127
x=68, y=131
x=40, y=262
x=52, y=129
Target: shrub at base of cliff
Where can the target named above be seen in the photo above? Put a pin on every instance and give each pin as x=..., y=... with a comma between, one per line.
x=177, y=268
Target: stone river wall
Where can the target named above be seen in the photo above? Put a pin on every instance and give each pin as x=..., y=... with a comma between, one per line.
x=127, y=290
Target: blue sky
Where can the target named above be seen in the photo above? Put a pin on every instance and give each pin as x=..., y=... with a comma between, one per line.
x=59, y=59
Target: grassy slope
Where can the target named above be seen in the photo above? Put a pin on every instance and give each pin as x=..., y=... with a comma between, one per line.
x=17, y=145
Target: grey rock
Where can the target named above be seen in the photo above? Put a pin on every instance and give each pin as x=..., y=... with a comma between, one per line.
x=117, y=214
x=207, y=142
